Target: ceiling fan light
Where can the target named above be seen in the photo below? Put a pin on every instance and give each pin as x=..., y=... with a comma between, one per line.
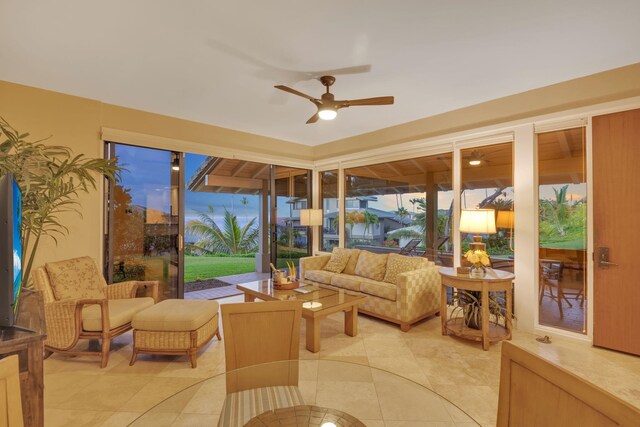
x=327, y=113
x=475, y=162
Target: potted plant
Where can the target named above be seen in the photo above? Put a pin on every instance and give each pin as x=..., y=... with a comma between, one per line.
x=51, y=178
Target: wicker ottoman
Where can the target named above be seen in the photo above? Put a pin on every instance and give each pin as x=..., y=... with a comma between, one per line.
x=175, y=326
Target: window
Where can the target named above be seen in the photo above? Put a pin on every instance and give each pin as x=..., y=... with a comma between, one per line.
x=487, y=183
x=396, y=205
x=562, y=229
x=330, y=205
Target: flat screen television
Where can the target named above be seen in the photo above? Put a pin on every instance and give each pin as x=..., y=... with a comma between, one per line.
x=10, y=248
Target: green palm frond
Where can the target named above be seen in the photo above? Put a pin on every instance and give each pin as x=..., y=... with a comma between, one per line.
x=51, y=179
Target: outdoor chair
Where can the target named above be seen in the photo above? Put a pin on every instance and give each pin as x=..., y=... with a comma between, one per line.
x=410, y=248
x=78, y=304
x=552, y=279
x=261, y=346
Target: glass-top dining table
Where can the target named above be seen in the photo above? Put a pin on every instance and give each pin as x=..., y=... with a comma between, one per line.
x=334, y=393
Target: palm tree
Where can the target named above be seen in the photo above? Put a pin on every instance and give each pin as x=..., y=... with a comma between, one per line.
x=370, y=219
x=231, y=239
x=402, y=213
x=556, y=212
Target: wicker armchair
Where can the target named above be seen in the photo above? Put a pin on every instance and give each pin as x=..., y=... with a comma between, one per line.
x=80, y=305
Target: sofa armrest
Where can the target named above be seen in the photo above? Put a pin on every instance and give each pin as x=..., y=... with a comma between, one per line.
x=313, y=263
x=418, y=292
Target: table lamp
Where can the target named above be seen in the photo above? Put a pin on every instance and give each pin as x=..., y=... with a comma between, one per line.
x=310, y=218
x=478, y=221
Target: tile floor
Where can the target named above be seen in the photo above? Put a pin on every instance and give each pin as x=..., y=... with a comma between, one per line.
x=79, y=393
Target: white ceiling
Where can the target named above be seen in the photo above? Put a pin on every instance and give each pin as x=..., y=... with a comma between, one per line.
x=217, y=62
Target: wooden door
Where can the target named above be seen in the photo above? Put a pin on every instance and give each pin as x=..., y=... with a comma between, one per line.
x=616, y=227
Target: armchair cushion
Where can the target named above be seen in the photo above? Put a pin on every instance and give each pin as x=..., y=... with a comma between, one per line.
x=77, y=278
x=121, y=311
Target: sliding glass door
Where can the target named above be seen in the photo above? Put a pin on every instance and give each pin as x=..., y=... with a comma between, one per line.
x=290, y=192
x=143, y=233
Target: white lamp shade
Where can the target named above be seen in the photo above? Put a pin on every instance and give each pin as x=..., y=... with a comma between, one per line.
x=478, y=221
x=310, y=216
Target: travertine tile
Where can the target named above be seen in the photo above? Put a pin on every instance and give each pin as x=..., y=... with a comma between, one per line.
x=78, y=392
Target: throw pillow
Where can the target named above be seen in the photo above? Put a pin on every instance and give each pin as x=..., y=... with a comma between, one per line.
x=371, y=266
x=353, y=261
x=338, y=261
x=398, y=264
x=77, y=278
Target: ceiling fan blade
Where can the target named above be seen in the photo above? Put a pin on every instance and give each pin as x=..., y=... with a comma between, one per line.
x=313, y=118
x=381, y=100
x=295, y=92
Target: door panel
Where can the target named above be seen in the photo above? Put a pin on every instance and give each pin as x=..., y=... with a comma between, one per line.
x=616, y=193
x=144, y=225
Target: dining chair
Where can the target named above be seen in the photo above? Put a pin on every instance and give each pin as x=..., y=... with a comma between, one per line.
x=261, y=347
x=10, y=398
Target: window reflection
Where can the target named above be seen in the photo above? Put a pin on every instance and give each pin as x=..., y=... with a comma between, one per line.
x=562, y=204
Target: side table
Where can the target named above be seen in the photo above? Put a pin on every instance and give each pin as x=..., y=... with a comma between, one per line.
x=494, y=280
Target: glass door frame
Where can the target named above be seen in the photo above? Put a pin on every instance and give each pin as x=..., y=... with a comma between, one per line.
x=177, y=183
x=273, y=213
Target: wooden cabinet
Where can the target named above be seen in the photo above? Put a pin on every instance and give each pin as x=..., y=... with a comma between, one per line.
x=27, y=341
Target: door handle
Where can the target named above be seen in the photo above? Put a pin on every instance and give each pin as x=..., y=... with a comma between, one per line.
x=603, y=258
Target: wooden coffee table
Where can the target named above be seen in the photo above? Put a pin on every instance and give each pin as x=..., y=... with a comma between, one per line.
x=318, y=304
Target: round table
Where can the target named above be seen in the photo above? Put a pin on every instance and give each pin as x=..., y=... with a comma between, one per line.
x=342, y=393
x=494, y=280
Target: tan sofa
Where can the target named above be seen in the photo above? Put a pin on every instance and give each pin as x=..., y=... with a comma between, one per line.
x=412, y=296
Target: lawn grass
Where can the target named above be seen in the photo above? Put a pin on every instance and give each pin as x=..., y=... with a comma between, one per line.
x=204, y=267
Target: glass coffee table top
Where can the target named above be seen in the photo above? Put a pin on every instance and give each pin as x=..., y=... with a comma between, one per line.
x=352, y=394
x=315, y=297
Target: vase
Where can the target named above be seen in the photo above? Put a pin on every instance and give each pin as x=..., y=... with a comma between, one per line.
x=476, y=272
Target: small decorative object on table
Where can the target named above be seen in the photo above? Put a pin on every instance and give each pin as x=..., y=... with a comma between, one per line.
x=479, y=260
x=282, y=281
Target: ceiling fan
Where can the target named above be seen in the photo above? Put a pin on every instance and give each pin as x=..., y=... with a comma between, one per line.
x=328, y=106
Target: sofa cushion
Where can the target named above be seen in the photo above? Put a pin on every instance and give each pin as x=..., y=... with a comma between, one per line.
x=121, y=311
x=346, y=281
x=175, y=315
x=372, y=266
x=319, y=276
x=77, y=278
x=379, y=289
x=350, y=268
x=397, y=264
x=338, y=261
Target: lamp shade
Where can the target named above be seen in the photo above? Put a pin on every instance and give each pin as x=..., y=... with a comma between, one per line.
x=478, y=221
x=310, y=216
x=504, y=219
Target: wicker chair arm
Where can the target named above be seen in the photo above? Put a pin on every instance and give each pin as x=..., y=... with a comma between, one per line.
x=149, y=287
x=122, y=290
x=64, y=321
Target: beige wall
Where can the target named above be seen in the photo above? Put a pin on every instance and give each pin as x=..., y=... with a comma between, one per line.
x=610, y=85
x=77, y=123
